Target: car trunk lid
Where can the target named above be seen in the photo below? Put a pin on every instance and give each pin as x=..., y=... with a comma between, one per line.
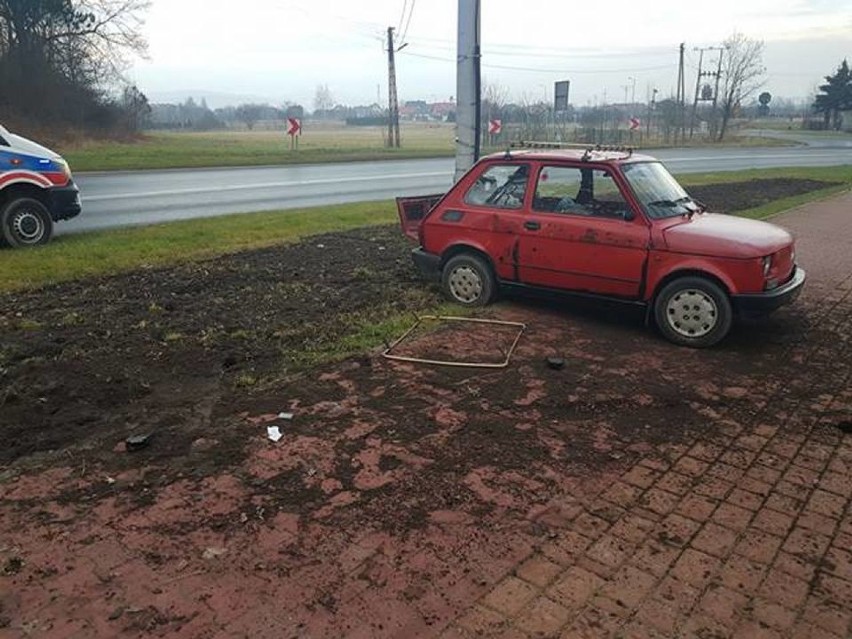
x=413, y=210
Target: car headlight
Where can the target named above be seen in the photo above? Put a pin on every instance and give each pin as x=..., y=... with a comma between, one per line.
x=767, y=264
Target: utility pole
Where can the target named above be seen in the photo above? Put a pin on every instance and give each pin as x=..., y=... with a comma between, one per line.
x=703, y=74
x=681, y=96
x=393, y=101
x=468, y=87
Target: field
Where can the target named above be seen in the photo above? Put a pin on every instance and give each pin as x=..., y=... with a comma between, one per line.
x=320, y=142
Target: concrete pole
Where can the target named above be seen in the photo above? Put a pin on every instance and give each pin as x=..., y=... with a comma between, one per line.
x=467, y=87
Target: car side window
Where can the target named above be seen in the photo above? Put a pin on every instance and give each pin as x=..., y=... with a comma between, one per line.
x=579, y=191
x=501, y=186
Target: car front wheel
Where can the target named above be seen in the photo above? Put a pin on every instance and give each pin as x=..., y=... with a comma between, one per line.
x=467, y=279
x=693, y=311
x=25, y=222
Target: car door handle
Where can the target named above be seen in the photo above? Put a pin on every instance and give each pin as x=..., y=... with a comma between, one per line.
x=532, y=225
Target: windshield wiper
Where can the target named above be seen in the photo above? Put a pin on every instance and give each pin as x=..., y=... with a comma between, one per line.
x=670, y=204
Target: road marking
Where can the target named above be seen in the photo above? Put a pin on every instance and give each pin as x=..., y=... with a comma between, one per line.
x=265, y=185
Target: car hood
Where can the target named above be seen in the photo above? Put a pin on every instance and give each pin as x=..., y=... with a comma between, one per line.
x=722, y=235
x=18, y=144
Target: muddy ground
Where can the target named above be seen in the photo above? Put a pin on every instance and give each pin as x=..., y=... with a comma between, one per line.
x=177, y=352
x=204, y=356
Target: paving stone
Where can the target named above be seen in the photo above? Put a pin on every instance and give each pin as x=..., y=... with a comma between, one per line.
x=538, y=570
x=590, y=525
x=676, y=483
x=722, y=604
x=795, y=565
x=658, y=502
x=827, y=615
x=800, y=476
x=695, y=568
x=758, y=546
x=633, y=528
x=745, y=499
x=837, y=483
x=691, y=467
x=655, y=557
x=772, y=614
x=772, y=522
x=480, y=620
x=574, y=587
x=659, y=614
x=510, y=596
x=806, y=543
x=706, y=451
x=732, y=517
x=610, y=551
x=742, y=574
x=622, y=494
x=566, y=548
x=754, y=630
x=544, y=617
x=828, y=504
x=696, y=507
x=715, y=540
x=593, y=623
x=783, y=588
x=629, y=586
x=641, y=476
x=713, y=487
x=784, y=504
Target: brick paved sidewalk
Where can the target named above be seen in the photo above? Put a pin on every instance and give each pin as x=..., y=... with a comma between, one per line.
x=746, y=533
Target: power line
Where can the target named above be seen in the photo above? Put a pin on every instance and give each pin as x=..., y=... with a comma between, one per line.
x=542, y=70
x=408, y=22
x=402, y=16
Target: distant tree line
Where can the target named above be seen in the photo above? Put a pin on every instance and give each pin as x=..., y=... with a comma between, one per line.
x=60, y=61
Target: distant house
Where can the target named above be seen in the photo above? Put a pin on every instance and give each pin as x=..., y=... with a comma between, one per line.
x=441, y=110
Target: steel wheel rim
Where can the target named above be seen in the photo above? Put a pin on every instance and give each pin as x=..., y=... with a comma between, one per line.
x=692, y=313
x=465, y=284
x=28, y=226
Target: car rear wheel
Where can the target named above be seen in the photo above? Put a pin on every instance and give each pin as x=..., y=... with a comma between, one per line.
x=693, y=311
x=25, y=222
x=467, y=279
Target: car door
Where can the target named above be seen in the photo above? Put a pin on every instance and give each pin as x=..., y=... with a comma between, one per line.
x=581, y=234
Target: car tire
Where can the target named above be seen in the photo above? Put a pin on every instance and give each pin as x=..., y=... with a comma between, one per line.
x=467, y=279
x=693, y=311
x=26, y=222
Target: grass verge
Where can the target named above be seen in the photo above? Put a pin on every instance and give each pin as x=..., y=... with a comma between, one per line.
x=114, y=251
x=108, y=252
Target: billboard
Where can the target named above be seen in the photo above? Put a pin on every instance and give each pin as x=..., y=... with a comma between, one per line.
x=560, y=95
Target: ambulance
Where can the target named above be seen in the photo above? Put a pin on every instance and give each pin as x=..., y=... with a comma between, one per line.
x=36, y=191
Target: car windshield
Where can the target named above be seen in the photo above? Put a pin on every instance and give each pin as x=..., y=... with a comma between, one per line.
x=657, y=191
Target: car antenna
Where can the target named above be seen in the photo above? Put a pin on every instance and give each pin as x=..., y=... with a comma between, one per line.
x=508, y=154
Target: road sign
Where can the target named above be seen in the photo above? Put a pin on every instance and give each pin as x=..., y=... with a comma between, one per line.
x=495, y=127
x=560, y=95
x=294, y=126
x=635, y=123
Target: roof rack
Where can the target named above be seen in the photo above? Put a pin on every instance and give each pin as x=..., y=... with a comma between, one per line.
x=589, y=149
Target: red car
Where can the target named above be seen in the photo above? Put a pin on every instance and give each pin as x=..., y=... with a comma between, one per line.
x=605, y=223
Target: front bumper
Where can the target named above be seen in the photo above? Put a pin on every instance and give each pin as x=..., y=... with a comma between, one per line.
x=757, y=304
x=65, y=202
x=428, y=264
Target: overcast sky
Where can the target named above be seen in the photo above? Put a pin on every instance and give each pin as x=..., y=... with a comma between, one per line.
x=280, y=50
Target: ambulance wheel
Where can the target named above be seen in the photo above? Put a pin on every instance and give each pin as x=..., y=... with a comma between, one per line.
x=25, y=222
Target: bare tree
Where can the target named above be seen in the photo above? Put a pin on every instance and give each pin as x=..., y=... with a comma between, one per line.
x=323, y=99
x=742, y=73
x=250, y=114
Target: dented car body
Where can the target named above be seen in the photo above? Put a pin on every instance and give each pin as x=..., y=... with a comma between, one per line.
x=604, y=223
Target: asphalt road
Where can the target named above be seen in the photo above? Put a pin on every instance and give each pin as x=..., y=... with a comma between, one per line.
x=145, y=197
